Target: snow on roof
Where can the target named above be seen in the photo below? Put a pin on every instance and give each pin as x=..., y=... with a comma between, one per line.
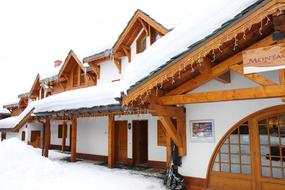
x=4, y=111
x=12, y=122
x=50, y=73
x=192, y=29
x=100, y=95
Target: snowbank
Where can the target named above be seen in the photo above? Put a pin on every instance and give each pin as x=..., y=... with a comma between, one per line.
x=22, y=167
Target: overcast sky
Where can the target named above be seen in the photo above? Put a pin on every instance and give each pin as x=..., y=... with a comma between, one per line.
x=34, y=33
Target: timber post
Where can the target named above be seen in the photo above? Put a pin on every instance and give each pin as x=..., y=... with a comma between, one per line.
x=64, y=130
x=73, y=139
x=47, y=137
x=111, y=141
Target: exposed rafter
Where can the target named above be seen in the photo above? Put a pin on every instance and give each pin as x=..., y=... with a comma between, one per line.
x=127, y=51
x=145, y=27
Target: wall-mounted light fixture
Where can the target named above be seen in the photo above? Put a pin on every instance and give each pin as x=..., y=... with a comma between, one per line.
x=129, y=125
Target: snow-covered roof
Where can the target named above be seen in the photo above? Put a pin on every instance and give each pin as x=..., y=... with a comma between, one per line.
x=191, y=30
x=84, y=98
x=50, y=74
x=12, y=122
x=100, y=95
x=4, y=111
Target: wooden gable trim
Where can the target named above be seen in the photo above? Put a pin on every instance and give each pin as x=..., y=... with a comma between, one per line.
x=145, y=27
x=252, y=17
x=70, y=54
x=143, y=17
x=36, y=82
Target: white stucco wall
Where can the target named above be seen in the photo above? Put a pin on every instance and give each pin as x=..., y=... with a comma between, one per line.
x=28, y=127
x=108, y=72
x=225, y=116
x=92, y=136
x=54, y=140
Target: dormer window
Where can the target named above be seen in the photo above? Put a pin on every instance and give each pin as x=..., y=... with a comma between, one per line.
x=141, y=42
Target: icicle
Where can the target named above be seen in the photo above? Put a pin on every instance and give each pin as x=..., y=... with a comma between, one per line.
x=236, y=42
x=261, y=26
x=267, y=20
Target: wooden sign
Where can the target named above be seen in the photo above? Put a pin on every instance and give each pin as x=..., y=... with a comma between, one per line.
x=264, y=59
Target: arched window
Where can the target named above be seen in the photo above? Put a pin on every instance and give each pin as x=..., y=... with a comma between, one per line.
x=234, y=153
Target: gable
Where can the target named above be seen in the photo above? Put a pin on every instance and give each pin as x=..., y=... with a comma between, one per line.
x=140, y=21
x=35, y=88
x=70, y=63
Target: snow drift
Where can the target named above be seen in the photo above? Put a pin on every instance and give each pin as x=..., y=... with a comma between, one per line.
x=23, y=167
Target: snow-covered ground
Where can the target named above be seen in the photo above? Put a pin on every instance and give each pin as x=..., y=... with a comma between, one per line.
x=23, y=167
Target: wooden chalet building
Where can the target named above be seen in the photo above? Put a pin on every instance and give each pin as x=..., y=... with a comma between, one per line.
x=214, y=88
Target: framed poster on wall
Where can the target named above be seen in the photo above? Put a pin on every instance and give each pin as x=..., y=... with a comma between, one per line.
x=202, y=131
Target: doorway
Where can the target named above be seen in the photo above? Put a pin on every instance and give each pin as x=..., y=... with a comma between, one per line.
x=121, y=142
x=251, y=156
x=140, y=142
x=35, y=139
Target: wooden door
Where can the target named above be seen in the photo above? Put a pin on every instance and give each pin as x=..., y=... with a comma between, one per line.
x=140, y=142
x=35, y=139
x=121, y=142
x=251, y=156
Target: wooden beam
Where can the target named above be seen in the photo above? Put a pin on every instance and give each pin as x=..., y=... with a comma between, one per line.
x=96, y=69
x=118, y=63
x=282, y=80
x=224, y=78
x=168, y=150
x=253, y=77
x=64, y=131
x=204, y=65
x=272, y=91
x=111, y=141
x=73, y=139
x=170, y=130
x=217, y=70
x=47, y=137
x=127, y=51
x=144, y=26
x=181, y=130
x=168, y=111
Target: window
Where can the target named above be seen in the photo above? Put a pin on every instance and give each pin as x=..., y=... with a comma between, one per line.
x=60, y=131
x=161, y=135
x=234, y=153
x=23, y=137
x=141, y=42
x=154, y=36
